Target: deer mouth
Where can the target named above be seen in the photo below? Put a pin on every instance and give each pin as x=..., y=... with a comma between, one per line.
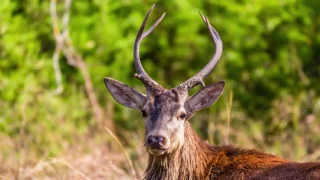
x=157, y=151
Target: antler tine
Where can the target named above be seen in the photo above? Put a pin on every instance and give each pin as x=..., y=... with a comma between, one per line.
x=153, y=26
x=198, y=78
x=152, y=86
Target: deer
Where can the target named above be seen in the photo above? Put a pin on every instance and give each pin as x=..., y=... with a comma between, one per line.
x=174, y=149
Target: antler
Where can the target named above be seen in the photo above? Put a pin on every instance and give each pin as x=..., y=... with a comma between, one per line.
x=198, y=78
x=152, y=86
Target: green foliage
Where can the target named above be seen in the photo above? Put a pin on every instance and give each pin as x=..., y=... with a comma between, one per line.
x=270, y=62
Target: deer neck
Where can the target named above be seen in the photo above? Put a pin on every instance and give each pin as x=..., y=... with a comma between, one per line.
x=189, y=162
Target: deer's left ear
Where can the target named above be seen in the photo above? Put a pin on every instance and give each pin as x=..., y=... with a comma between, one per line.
x=204, y=98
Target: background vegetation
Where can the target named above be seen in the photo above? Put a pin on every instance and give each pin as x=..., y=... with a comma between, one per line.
x=271, y=63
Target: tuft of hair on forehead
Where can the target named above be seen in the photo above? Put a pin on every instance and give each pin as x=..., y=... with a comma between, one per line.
x=171, y=98
x=176, y=93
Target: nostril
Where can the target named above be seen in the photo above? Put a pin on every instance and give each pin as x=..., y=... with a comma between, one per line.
x=152, y=139
x=156, y=141
x=161, y=139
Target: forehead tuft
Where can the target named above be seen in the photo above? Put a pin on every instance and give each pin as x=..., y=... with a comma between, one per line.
x=167, y=101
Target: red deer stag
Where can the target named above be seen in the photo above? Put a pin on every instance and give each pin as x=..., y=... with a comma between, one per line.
x=175, y=151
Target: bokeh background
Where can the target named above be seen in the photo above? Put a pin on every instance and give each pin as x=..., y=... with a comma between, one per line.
x=57, y=120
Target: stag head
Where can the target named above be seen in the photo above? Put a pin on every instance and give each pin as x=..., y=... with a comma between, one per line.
x=166, y=111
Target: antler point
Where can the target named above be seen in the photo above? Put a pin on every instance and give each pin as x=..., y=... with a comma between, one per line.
x=153, y=5
x=164, y=14
x=202, y=83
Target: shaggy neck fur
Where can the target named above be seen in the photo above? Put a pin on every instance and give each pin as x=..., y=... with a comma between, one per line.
x=189, y=162
x=198, y=160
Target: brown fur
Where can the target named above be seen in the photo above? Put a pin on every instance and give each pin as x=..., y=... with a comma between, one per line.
x=198, y=160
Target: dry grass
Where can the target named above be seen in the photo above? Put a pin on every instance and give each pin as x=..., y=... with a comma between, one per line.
x=97, y=164
x=88, y=160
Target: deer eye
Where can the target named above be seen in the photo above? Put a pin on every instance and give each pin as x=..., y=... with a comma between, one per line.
x=182, y=116
x=144, y=113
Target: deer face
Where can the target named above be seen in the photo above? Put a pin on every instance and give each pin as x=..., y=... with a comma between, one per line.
x=164, y=116
x=166, y=111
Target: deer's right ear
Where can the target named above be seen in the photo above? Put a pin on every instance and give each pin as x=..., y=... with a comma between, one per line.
x=124, y=94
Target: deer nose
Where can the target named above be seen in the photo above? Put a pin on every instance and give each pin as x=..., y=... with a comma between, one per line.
x=156, y=141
